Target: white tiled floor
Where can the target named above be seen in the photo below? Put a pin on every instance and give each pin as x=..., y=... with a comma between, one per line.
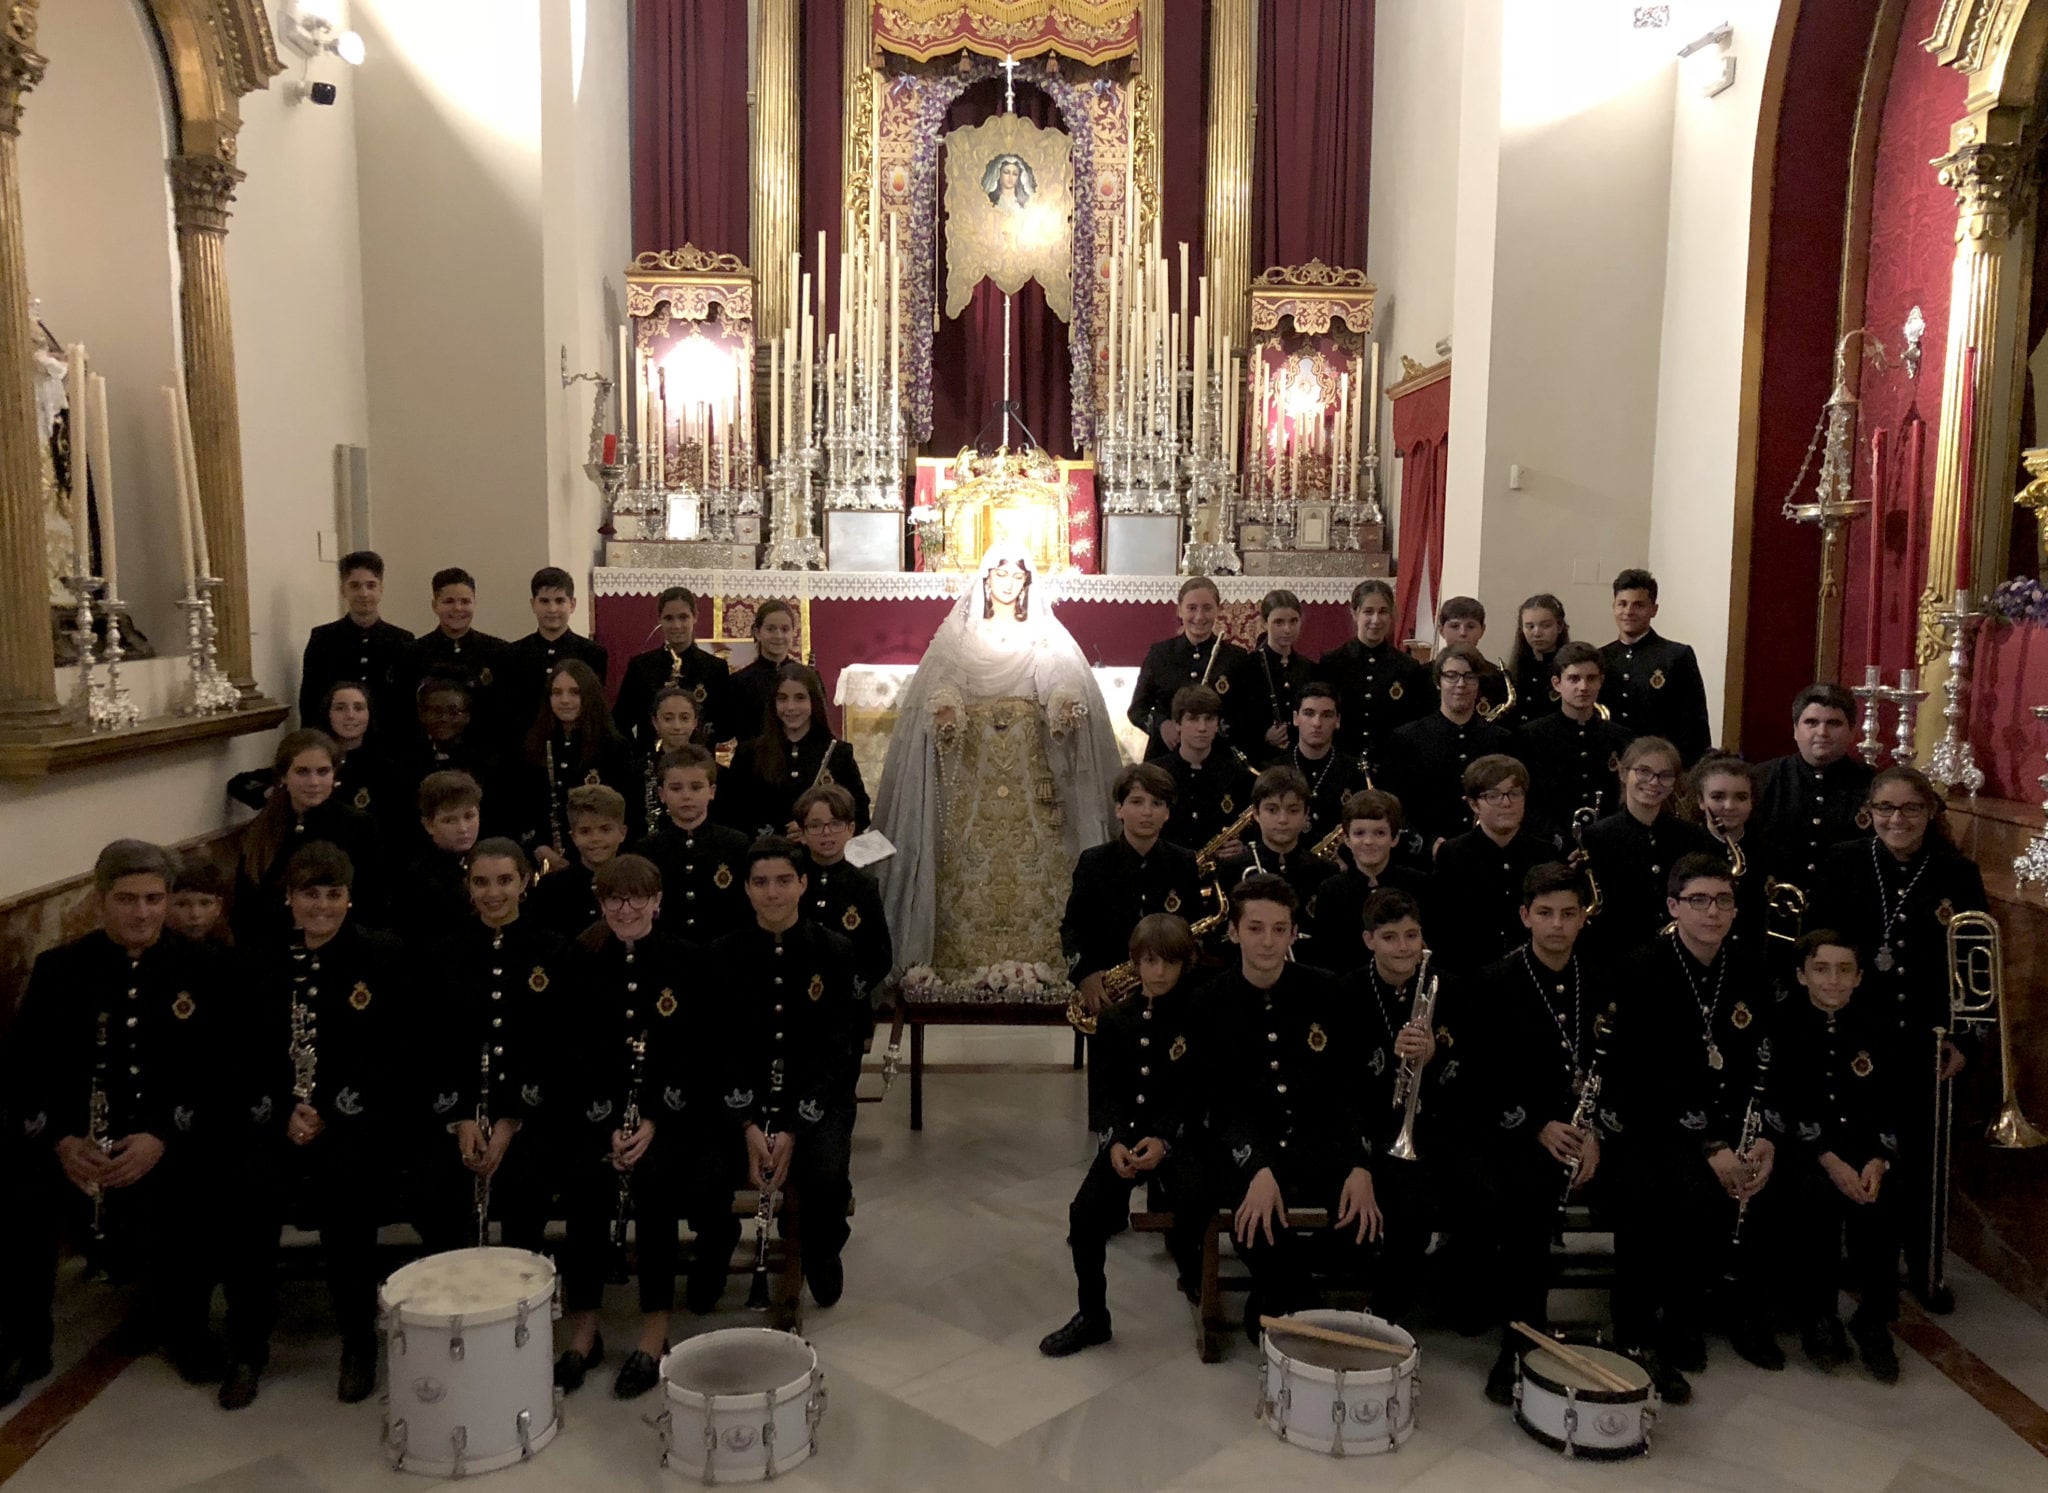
x=957, y=1267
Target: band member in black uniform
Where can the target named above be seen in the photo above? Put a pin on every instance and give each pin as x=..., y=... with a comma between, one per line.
x=571, y=743
x=1461, y=622
x=1842, y=1070
x=1195, y=656
x=456, y=649
x=1380, y=687
x=531, y=662
x=507, y=989
x=1119, y=884
x=1372, y=836
x=841, y=896
x=1540, y=630
x=794, y=751
x=677, y=723
x=433, y=894
x=342, y=1133
x=679, y=662
x=1154, y=1054
x=1295, y=1101
x=643, y=1128
x=1534, y=1143
x=452, y=738
x=1424, y=762
x=1266, y=684
x=1653, y=684
x=368, y=775
x=108, y=1072
x=303, y=810
x=753, y=686
x=1720, y=795
x=1574, y=755
x=1893, y=897
x=566, y=898
x=796, y=1009
x=1810, y=800
x=199, y=900
x=1211, y=781
x=1274, y=847
x=1633, y=850
x=1479, y=874
x=701, y=863
x=359, y=645
x=1693, y=1017
x=1332, y=774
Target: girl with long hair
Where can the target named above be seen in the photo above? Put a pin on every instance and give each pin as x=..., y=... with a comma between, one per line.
x=1633, y=849
x=302, y=810
x=795, y=751
x=572, y=742
x=1540, y=630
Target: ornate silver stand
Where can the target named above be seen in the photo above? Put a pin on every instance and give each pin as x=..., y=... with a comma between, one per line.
x=208, y=692
x=1872, y=693
x=112, y=708
x=1954, y=763
x=1905, y=697
x=795, y=545
x=86, y=700
x=2032, y=863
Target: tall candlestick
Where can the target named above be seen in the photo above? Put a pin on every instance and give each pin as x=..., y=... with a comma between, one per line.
x=1113, y=334
x=189, y=454
x=1201, y=372
x=178, y=485
x=1229, y=408
x=1873, y=599
x=102, y=468
x=831, y=389
x=621, y=390
x=1181, y=326
x=661, y=429
x=1372, y=425
x=1915, y=488
x=774, y=401
x=76, y=474
x=895, y=344
x=1966, y=505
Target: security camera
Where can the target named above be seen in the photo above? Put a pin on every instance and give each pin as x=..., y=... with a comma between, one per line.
x=301, y=90
x=322, y=93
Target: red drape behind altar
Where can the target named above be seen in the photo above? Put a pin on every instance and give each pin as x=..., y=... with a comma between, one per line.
x=1312, y=160
x=824, y=93
x=1422, y=439
x=967, y=351
x=690, y=123
x=1181, y=119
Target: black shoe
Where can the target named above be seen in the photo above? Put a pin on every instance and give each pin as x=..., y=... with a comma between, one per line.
x=572, y=1366
x=1081, y=1331
x=701, y=1296
x=1754, y=1343
x=19, y=1370
x=1500, y=1379
x=827, y=1279
x=238, y=1389
x=1191, y=1288
x=1874, y=1343
x=1825, y=1344
x=1686, y=1352
x=200, y=1361
x=358, y=1373
x=138, y=1336
x=638, y=1374
x=1938, y=1299
x=1673, y=1388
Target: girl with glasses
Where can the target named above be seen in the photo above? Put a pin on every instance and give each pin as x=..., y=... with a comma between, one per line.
x=1633, y=849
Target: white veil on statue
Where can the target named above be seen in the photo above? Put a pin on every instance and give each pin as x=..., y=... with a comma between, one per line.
x=985, y=651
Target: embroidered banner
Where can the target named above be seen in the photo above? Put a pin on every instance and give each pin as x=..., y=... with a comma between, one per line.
x=1086, y=30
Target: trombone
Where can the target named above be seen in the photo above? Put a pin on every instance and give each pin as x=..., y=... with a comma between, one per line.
x=1976, y=997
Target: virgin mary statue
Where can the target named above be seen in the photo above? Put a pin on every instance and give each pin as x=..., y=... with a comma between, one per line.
x=998, y=777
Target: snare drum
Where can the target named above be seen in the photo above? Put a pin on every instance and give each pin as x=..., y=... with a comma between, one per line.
x=1571, y=1413
x=743, y=1405
x=469, y=1360
x=1330, y=1398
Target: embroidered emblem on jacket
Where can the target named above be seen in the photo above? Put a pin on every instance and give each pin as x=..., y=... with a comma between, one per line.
x=817, y=987
x=666, y=1003
x=1944, y=912
x=1318, y=1039
x=1888, y=1140
x=362, y=798
x=850, y=920
x=1740, y=1017
x=724, y=877
x=1775, y=1120
x=258, y=1113
x=1223, y=686
x=529, y=1095
x=739, y=1099
x=810, y=1110
x=1694, y=1119
x=359, y=997
x=349, y=1102
x=673, y=1098
x=1172, y=903
x=1178, y=1051
x=1396, y=690
x=1609, y=1120
x=183, y=1007
x=1861, y=1065
x=35, y=1124
x=537, y=982
x=1809, y=1131
x=181, y=1117
x=600, y=1110
x=1242, y=1155
x=1656, y=679
x=445, y=1102
x=1511, y=1119
x=1379, y=1061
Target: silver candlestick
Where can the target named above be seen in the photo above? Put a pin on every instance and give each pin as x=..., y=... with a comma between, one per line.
x=1872, y=693
x=1954, y=763
x=1905, y=697
x=83, y=588
x=207, y=691
x=113, y=708
x=2032, y=863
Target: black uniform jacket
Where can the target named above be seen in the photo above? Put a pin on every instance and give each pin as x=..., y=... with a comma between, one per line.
x=1154, y=1057
x=1860, y=883
x=259, y=913
x=1810, y=810
x=371, y=656
x=1654, y=688
x=1114, y=886
x=1379, y=690
x=1572, y=765
x=1332, y=778
x=1173, y=665
x=1478, y=888
x=1292, y=1090
x=1208, y=794
x=656, y=991
x=527, y=661
x=1841, y=1079
x=844, y=899
x=1264, y=689
x=757, y=805
x=1539, y=1030
x=705, y=675
x=543, y=808
x=1382, y=1010
x=479, y=660
x=703, y=878
x=1673, y=1016
x=1308, y=875
x=1424, y=766
x=362, y=993
x=565, y=900
x=1632, y=863
x=1340, y=908
x=514, y=993
x=795, y=1009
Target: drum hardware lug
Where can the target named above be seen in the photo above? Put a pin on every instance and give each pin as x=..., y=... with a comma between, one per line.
x=458, y=1440
x=1338, y=1412
x=1571, y=1421
x=523, y=1424
x=768, y=1433
x=555, y=1301
x=455, y=1338
x=1392, y=1400
x=814, y=1411
x=1518, y=1392
x=394, y=1443
x=1649, y=1418
x=710, y=1444
x=520, y=1335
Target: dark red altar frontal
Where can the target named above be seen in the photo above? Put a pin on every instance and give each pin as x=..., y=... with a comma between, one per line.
x=885, y=619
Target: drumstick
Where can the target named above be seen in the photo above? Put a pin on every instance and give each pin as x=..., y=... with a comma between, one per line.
x=1332, y=1335
x=1593, y=1369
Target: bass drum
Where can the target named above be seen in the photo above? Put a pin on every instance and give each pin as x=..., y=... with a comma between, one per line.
x=743, y=1405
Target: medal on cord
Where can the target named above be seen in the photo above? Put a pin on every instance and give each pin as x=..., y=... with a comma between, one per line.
x=1708, y=1006
x=1885, y=961
x=1567, y=1038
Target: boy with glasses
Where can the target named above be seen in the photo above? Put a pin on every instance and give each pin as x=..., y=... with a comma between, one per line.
x=1425, y=761
x=1479, y=874
x=842, y=896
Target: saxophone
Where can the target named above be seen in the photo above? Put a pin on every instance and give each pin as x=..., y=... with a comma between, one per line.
x=1493, y=713
x=629, y=1121
x=1408, y=1082
x=1327, y=848
x=96, y=1123
x=483, y=1125
x=1581, y=859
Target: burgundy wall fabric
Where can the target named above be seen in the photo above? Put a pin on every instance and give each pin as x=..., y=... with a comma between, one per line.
x=1312, y=160
x=1809, y=198
x=1422, y=435
x=824, y=131
x=690, y=126
x=1181, y=119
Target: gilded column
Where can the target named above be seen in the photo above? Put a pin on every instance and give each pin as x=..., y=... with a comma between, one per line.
x=1233, y=109
x=857, y=120
x=1152, y=74
x=202, y=186
x=777, y=160
x=28, y=681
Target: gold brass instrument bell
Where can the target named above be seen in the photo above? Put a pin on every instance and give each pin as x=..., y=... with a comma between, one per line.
x=1976, y=994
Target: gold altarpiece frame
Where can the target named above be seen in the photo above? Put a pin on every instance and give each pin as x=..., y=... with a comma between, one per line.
x=688, y=284
x=215, y=52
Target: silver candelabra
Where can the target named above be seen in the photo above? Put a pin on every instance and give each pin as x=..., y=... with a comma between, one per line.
x=1905, y=698
x=793, y=544
x=2031, y=864
x=208, y=691
x=1212, y=493
x=1954, y=763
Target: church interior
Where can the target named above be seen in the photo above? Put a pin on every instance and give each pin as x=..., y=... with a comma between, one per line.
x=840, y=312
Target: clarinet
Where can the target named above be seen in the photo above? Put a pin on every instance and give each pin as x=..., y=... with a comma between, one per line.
x=757, y=1293
x=1752, y=1127
x=96, y=1124
x=305, y=1031
x=483, y=1125
x=554, y=803
x=1584, y=1110
x=629, y=1121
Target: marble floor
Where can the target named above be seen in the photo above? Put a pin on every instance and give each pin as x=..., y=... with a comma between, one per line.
x=955, y=1271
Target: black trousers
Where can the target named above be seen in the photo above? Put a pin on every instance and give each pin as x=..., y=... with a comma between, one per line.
x=1911, y=1180
x=1511, y=1195
x=243, y=1177
x=1283, y=1271
x=820, y=1169
x=521, y=1192
x=686, y=1173
x=1818, y=1221
x=1672, y=1224
x=341, y=1183
x=1101, y=1210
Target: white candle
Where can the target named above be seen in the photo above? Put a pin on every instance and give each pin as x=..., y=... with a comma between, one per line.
x=102, y=467
x=1110, y=336
x=895, y=341
x=1181, y=326
x=75, y=400
x=178, y=484
x=661, y=429
x=831, y=384
x=704, y=446
x=1173, y=371
x=189, y=454
x=1372, y=427
x=623, y=384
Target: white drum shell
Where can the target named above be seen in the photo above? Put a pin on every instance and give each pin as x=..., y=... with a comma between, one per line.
x=1600, y=1425
x=469, y=1392
x=1345, y=1412
x=715, y=1436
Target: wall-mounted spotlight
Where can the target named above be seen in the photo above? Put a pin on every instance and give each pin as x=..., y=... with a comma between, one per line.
x=1714, y=74
x=313, y=29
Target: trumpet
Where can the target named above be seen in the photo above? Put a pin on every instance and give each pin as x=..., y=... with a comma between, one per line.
x=1976, y=997
x=1784, y=910
x=1581, y=859
x=1408, y=1082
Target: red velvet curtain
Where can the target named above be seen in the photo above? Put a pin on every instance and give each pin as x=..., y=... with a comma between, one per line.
x=1422, y=436
x=824, y=94
x=690, y=121
x=1182, y=117
x=967, y=351
x=1312, y=159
